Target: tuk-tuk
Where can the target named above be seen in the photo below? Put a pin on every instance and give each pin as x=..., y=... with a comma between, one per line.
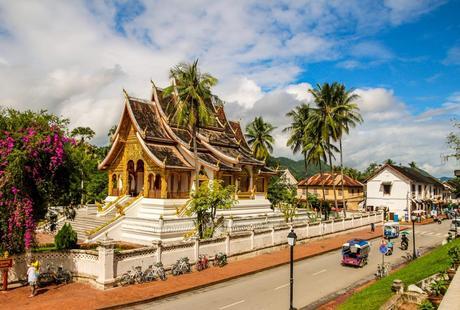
x=355, y=252
x=391, y=230
x=455, y=226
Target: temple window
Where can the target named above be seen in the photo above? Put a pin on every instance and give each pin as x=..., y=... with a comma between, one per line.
x=114, y=181
x=157, y=184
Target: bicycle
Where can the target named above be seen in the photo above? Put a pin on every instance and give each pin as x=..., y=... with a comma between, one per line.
x=132, y=278
x=160, y=271
x=220, y=259
x=382, y=271
x=51, y=275
x=202, y=262
x=181, y=266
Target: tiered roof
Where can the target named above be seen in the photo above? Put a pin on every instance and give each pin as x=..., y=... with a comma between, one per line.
x=220, y=146
x=328, y=180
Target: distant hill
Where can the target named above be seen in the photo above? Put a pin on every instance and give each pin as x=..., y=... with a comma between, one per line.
x=444, y=179
x=297, y=167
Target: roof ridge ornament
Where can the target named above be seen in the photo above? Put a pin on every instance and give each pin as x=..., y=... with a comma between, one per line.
x=126, y=93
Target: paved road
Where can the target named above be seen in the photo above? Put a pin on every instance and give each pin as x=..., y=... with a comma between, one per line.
x=315, y=279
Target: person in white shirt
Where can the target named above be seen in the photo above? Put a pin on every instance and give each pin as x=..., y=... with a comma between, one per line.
x=32, y=278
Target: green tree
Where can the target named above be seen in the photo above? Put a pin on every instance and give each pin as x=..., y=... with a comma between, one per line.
x=191, y=89
x=389, y=161
x=259, y=135
x=84, y=133
x=325, y=119
x=413, y=164
x=373, y=166
x=283, y=197
x=348, y=118
x=299, y=133
x=204, y=204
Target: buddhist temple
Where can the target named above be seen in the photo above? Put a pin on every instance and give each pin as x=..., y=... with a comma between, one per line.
x=151, y=170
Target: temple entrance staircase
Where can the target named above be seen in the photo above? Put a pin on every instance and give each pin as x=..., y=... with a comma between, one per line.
x=86, y=219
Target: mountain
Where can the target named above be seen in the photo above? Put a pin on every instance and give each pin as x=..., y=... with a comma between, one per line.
x=297, y=167
x=444, y=179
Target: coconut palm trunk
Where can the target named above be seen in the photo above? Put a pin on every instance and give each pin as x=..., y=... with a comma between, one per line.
x=341, y=175
x=324, y=192
x=306, y=176
x=333, y=175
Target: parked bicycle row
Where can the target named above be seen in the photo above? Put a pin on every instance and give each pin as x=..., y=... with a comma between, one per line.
x=157, y=271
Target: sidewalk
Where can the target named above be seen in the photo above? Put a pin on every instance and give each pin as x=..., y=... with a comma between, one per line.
x=81, y=296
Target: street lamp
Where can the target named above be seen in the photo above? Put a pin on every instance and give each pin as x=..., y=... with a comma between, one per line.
x=292, y=237
x=413, y=218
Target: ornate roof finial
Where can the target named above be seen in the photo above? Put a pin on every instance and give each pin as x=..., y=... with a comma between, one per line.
x=218, y=164
x=126, y=93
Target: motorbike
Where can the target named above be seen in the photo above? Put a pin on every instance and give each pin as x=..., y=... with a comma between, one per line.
x=404, y=241
x=202, y=262
x=390, y=249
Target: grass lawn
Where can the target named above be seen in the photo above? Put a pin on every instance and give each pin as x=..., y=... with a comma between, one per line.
x=378, y=293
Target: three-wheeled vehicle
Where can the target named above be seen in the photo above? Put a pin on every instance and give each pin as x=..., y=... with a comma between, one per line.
x=455, y=227
x=355, y=252
x=391, y=230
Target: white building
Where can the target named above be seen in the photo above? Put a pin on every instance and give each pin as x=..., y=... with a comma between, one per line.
x=289, y=177
x=403, y=190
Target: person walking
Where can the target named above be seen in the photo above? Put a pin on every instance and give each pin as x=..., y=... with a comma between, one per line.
x=372, y=227
x=32, y=275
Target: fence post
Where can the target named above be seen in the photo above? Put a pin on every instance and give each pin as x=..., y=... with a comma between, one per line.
x=229, y=225
x=196, y=247
x=252, y=238
x=227, y=244
x=361, y=220
x=106, y=257
x=332, y=226
x=159, y=250
x=343, y=224
x=273, y=235
x=308, y=229
x=321, y=227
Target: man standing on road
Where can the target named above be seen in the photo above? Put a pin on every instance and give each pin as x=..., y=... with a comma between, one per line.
x=372, y=227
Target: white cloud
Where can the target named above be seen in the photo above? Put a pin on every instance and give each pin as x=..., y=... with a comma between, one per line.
x=300, y=91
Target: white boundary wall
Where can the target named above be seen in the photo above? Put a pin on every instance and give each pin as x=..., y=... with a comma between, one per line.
x=103, y=266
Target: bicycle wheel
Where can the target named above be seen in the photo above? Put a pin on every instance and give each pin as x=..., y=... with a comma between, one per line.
x=162, y=275
x=125, y=279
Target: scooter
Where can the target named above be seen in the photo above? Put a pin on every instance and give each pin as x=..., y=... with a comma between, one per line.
x=390, y=249
x=404, y=242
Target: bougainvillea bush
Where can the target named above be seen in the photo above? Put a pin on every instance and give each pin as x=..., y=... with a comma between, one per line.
x=36, y=169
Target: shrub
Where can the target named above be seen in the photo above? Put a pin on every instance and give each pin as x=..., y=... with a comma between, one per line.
x=454, y=254
x=66, y=238
x=426, y=305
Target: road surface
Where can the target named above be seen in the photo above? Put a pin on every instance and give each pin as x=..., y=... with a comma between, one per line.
x=315, y=279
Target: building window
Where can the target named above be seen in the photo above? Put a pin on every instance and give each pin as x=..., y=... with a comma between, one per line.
x=386, y=189
x=304, y=192
x=413, y=188
x=420, y=189
x=326, y=192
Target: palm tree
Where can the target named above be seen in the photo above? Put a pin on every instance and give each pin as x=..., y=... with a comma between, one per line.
x=191, y=88
x=259, y=138
x=299, y=135
x=389, y=161
x=325, y=119
x=350, y=117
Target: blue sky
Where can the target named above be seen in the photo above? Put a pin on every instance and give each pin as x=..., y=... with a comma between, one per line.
x=402, y=57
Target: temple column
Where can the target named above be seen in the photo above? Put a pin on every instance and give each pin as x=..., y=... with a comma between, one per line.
x=146, y=182
x=110, y=184
x=164, y=185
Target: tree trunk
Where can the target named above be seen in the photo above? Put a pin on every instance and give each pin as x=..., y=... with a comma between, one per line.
x=306, y=177
x=322, y=186
x=333, y=177
x=199, y=216
x=341, y=175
